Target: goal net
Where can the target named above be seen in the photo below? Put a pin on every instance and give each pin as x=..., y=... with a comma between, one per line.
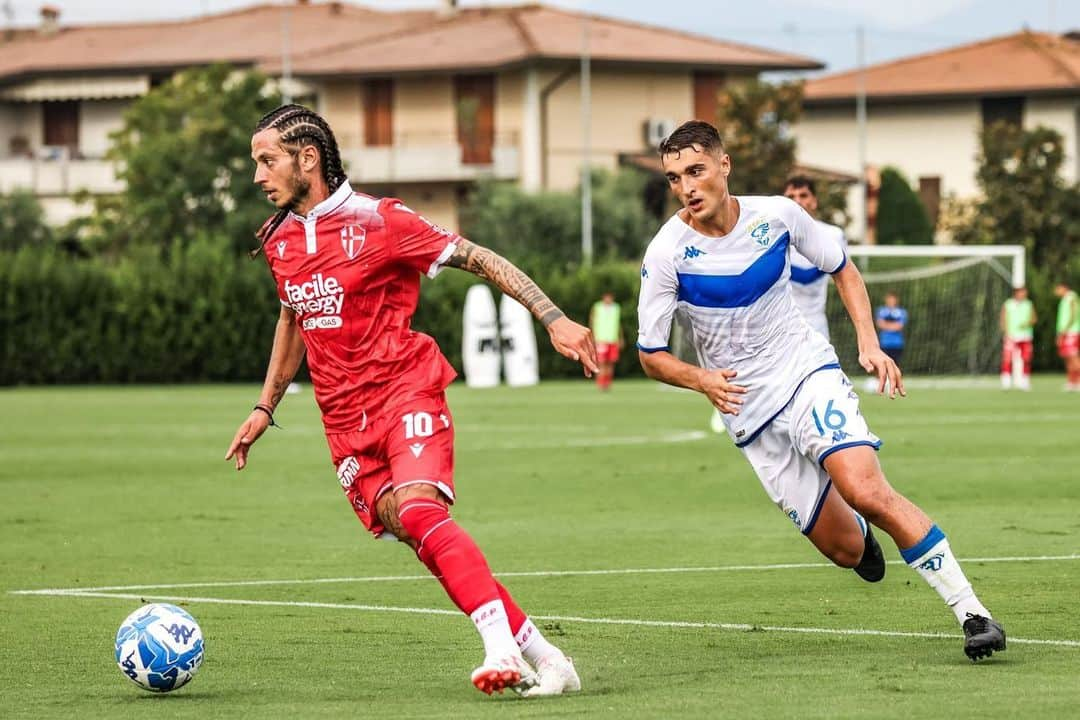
x=953, y=296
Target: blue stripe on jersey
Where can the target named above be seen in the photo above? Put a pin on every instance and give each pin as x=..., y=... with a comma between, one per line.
x=805, y=276
x=731, y=291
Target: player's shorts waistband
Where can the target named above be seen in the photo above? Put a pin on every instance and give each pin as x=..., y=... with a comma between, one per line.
x=767, y=423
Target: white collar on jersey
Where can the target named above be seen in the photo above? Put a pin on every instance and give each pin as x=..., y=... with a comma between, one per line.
x=327, y=206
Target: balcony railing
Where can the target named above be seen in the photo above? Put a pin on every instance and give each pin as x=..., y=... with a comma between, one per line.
x=59, y=176
x=429, y=157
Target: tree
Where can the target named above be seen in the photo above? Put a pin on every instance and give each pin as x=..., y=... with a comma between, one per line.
x=543, y=230
x=1024, y=199
x=183, y=155
x=901, y=217
x=22, y=221
x=754, y=120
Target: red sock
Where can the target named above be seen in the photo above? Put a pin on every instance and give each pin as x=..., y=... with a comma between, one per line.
x=514, y=614
x=449, y=553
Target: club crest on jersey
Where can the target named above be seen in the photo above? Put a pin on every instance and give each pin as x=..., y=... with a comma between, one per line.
x=759, y=230
x=352, y=240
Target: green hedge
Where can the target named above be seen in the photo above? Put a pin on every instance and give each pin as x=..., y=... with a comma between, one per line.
x=204, y=314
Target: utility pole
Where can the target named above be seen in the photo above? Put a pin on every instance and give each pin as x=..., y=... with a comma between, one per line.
x=860, y=125
x=586, y=148
x=286, y=60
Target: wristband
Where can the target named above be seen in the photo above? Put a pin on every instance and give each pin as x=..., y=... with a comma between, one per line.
x=269, y=414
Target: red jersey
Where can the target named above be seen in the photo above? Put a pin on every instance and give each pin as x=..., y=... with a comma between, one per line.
x=350, y=269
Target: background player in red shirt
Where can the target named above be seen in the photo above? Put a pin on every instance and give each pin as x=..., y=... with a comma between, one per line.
x=347, y=268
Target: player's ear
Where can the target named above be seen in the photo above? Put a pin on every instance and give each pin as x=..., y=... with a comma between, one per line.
x=309, y=158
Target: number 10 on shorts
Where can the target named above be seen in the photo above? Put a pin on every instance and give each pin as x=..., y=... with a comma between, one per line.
x=421, y=424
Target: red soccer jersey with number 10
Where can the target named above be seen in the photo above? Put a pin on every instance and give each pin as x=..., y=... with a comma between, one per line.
x=350, y=269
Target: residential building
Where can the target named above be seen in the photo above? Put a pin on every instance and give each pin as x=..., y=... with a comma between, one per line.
x=424, y=103
x=925, y=113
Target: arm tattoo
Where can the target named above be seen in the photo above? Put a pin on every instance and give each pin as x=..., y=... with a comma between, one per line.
x=512, y=281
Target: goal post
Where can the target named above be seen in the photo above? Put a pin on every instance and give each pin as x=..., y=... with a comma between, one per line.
x=953, y=296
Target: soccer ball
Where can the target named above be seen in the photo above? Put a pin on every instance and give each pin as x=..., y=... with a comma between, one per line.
x=159, y=647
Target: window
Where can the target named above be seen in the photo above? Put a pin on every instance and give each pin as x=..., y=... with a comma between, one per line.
x=707, y=86
x=1003, y=109
x=930, y=194
x=474, y=100
x=379, y=112
x=61, y=125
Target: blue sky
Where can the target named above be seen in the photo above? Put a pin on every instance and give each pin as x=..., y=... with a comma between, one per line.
x=822, y=29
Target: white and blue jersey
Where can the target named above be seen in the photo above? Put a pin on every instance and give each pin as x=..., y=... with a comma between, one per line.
x=810, y=284
x=735, y=293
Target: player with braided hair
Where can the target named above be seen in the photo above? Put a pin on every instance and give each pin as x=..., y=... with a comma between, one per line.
x=347, y=268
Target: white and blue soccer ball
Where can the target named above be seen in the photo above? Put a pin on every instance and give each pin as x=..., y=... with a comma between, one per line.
x=159, y=647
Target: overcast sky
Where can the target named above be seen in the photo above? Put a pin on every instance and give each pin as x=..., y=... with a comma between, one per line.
x=821, y=29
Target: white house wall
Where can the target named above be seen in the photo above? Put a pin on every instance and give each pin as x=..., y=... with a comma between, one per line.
x=98, y=118
x=925, y=139
x=1063, y=115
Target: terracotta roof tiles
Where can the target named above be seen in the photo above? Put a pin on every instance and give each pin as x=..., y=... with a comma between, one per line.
x=1024, y=63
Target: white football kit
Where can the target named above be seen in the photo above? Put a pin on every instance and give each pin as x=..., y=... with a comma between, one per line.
x=810, y=284
x=735, y=294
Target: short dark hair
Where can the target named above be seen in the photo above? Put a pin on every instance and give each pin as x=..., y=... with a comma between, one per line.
x=689, y=134
x=801, y=181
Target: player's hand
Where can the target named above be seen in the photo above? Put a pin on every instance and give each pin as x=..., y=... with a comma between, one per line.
x=723, y=394
x=249, y=432
x=876, y=362
x=575, y=342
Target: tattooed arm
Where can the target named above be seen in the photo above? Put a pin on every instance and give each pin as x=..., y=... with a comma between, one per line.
x=285, y=359
x=570, y=339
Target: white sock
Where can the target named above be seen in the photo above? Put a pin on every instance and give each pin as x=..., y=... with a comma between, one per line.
x=932, y=558
x=534, y=646
x=494, y=628
x=1006, y=380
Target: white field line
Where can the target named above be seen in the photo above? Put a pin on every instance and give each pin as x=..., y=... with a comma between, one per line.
x=678, y=624
x=520, y=574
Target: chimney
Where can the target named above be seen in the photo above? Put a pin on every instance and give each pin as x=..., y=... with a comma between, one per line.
x=448, y=7
x=50, y=20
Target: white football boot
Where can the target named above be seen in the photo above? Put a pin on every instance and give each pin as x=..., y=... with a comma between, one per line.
x=556, y=676
x=495, y=675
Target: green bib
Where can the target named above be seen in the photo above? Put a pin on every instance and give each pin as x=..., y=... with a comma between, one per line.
x=1068, y=306
x=605, y=320
x=1018, y=319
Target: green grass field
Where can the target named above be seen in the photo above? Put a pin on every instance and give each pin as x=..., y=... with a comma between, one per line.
x=639, y=543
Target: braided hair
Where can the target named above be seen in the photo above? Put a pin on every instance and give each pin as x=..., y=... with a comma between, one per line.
x=300, y=126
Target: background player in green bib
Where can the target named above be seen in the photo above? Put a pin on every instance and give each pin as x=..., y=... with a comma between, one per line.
x=1017, y=320
x=605, y=319
x=1068, y=334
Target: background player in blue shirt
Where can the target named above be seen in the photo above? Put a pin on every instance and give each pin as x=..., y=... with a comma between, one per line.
x=891, y=319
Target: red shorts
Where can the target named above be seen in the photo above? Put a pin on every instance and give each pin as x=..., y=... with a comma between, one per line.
x=1024, y=347
x=410, y=444
x=1068, y=345
x=607, y=352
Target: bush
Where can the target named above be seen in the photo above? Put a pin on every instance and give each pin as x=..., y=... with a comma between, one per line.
x=198, y=314
x=901, y=218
